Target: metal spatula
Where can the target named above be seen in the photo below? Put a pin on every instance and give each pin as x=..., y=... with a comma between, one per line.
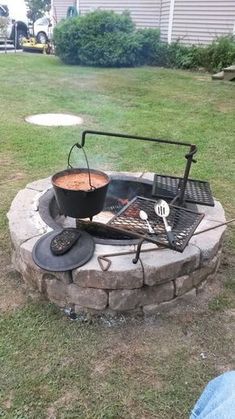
x=162, y=209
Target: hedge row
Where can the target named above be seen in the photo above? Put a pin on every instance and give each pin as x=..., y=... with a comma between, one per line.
x=108, y=39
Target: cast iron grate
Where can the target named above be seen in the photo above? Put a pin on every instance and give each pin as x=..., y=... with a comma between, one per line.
x=197, y=191
x=182, y=221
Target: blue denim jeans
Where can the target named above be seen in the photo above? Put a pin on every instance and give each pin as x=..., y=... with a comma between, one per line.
x=217, y=400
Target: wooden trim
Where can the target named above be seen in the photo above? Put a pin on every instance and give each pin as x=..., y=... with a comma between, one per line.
x=170, y=23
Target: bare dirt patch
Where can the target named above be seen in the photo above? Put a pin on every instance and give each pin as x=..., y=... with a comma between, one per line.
x=11, y=285
x=7, y=403
x=14, y=177
x=134, y=355
x=226, y=107
x=13, y=295
x=67, y=400
x=205, y=77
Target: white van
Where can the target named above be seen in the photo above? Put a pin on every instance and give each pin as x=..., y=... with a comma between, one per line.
x=43, y=29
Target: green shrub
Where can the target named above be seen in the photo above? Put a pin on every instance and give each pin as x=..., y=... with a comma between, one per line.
x=176, y=53
x=99, y=38
x=154, y=52
x=219, y=54
x=101, y=21
x=181, y=56
x=116, y=49
x=67, y=40
x=108, y=39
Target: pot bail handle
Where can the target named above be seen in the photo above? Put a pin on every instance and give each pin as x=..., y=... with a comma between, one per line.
x=71, y=167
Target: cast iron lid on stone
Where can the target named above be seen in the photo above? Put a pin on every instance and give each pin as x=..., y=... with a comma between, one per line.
x=80, y=253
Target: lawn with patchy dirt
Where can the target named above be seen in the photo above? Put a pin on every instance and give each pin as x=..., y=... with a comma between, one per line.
x=156, y=367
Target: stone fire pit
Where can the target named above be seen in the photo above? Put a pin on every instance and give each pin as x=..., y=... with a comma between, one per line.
x=163, y=278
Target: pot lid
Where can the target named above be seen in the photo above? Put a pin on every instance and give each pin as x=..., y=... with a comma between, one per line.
x=80, y=253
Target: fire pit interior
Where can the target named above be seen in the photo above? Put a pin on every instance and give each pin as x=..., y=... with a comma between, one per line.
x=121, y=190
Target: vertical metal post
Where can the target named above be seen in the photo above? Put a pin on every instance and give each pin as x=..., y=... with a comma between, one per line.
x=189, y=158
x=16, y=35
x=5, y=44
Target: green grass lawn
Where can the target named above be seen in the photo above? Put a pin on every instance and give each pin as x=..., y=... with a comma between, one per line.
x=50, y=367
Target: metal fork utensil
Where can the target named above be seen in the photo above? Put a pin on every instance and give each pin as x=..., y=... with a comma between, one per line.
x=162, y=209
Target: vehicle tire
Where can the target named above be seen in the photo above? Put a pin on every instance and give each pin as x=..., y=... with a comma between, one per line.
x=41, y=38
x=20, y=35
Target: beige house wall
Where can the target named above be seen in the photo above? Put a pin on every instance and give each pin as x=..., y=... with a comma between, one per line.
x=201, y=21
x=145, y=13
x=59, y=8
x=190, y=21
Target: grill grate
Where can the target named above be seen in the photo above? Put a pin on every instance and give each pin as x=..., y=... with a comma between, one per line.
x=182, y=221
x=197, y=191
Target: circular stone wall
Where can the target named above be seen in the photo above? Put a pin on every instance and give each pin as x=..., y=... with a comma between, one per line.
x=164, y=277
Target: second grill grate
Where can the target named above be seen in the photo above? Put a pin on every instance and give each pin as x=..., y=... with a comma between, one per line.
x=197, y=191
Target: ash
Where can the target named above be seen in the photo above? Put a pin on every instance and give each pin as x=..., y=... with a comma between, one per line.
x=105, y=319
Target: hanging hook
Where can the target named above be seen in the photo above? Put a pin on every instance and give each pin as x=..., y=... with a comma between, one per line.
x=85, y=155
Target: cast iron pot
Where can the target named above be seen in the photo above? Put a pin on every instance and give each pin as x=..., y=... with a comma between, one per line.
x=78, y=203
